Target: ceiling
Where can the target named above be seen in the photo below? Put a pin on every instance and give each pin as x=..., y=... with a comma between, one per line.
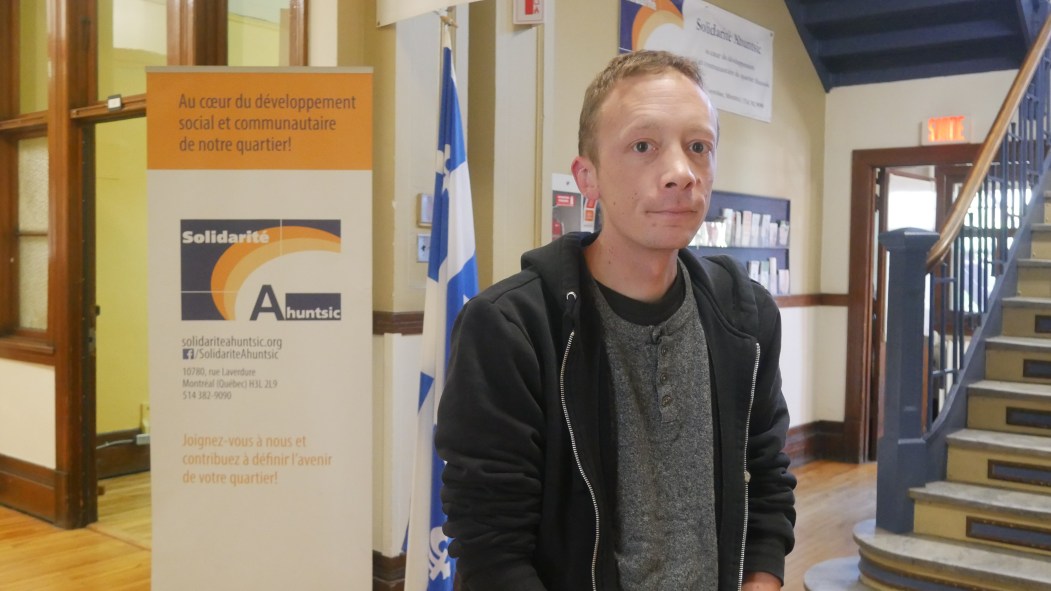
x=866, y=41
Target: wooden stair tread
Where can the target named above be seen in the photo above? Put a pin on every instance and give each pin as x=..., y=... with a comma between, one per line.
x=955, y=560
x=1038, y=263
x=1018, y=343
x=1027, y=301
x=972, y=496
x=1031, y=445
x=1015, y=390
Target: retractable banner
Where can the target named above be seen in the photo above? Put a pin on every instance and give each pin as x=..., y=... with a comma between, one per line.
x=260, y=321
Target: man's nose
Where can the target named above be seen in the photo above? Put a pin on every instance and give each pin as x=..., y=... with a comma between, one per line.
x=677, y=174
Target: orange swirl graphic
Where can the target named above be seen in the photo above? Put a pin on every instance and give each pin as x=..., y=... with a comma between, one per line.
x=648, y=19
x=240, y=260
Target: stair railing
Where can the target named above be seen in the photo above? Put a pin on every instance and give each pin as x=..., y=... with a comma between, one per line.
x=971, y=263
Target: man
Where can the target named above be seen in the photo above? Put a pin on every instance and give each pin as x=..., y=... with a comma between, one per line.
x=613, y=416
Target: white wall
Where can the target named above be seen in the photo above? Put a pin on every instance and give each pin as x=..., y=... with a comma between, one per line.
x=323, y=40
x=27, y=412
x=396, y=392
x=813, y=366
x=888, y=116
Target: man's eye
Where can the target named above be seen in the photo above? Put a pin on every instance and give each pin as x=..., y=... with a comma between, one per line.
x=641, y=147
x=698, y=147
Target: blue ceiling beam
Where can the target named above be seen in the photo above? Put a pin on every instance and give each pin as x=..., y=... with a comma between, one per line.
x=942, y=35
x=831, y=12
x=922, y=71
x=865, y=41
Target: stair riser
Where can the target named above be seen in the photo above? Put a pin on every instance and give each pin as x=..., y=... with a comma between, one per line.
x=1034, y=282
x=1009, y=415
x=875, y=585
x=981, y=527
x=910, y=576
x=1014, y=365
x=1027, y=322
x=1041, y=245
x=1000, y=470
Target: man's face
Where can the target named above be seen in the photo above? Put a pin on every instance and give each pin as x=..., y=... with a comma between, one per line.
x=655, y=145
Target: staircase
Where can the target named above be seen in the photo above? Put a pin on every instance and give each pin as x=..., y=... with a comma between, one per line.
x=988, y=525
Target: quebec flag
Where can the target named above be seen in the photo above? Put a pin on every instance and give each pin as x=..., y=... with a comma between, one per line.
x=452, y=278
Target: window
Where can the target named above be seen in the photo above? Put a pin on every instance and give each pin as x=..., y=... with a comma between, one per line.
x=31, y=236
x=48, y=109
x=32, y=63
x=132, y=34
x=259, y=32
x=25, y=226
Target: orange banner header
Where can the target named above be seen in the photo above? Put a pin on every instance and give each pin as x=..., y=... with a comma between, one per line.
x=237, y=119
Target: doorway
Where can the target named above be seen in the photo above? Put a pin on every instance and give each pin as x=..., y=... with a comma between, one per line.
x=885, y=185
x=906, y=197
x=115, y=282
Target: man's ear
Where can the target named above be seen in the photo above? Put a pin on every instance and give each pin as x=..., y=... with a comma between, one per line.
x=585, y=175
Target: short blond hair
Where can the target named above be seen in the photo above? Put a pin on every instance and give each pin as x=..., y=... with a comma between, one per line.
x=626, y=65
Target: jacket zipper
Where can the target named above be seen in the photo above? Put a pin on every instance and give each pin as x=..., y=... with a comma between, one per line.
x=576, y=456
x=747, y=476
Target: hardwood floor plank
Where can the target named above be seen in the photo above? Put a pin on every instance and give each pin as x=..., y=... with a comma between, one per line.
x=114, y=554
x=831, y=498
x=36, y=556
x=124, y=510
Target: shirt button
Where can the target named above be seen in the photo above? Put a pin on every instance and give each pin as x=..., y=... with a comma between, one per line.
x=666, y=401
x=664, y=378
x=664, y=350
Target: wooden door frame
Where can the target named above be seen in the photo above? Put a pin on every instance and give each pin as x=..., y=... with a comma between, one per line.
x=864, y=164
x=196, y=36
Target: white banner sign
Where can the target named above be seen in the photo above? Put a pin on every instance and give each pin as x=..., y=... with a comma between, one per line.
x=391, y=11
x=260, y=317
x=735, y=55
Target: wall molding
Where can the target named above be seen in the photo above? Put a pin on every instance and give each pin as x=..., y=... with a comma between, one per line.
x=29, y=487
x=808, y=300
x=397, y=322
x=121, y=458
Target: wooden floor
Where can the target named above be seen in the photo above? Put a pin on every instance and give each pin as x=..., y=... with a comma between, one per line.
x=114, y=554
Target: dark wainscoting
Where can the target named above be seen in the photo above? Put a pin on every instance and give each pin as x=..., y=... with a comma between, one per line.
x=388, y=572
x=120, y=458
x=820, y=440
x=28, y=487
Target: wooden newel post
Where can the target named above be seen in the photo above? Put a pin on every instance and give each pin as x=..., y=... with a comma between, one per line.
x=901, y=451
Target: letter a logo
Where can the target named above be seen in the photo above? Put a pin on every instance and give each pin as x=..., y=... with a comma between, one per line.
x=267, y=293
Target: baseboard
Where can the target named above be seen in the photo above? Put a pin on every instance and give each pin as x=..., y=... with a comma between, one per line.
x=388, y=572
x=820, y=440
x=28, y=487
x=120, y=458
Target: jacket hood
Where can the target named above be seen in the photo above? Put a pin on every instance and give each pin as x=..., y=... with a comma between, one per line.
x=561, y=269
x=560, y=264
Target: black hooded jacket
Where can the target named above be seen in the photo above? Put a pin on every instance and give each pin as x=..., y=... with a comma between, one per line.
x=525, y=425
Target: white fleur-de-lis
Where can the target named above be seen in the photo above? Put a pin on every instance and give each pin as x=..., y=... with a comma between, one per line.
x=439, y=557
